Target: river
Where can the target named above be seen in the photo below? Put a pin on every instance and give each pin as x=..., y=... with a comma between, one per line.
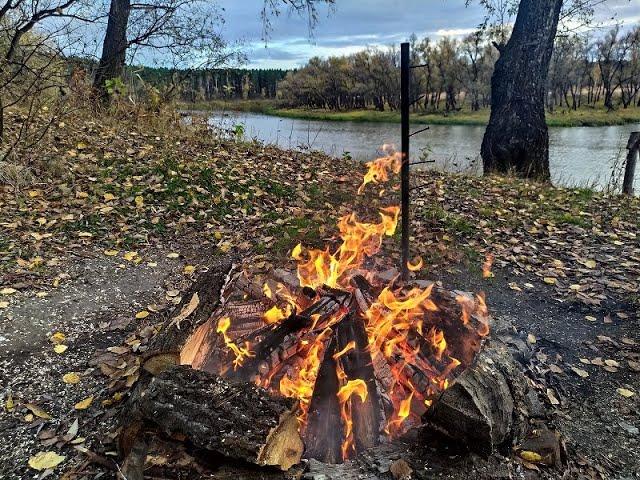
x=579, y=156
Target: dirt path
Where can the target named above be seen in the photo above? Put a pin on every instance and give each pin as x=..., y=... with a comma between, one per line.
x=94, y=310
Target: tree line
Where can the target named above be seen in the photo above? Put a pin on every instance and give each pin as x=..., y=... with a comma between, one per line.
x=456, y=73
x=215, y=84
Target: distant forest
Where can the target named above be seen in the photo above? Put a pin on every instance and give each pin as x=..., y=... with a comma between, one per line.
x=454, y=74
x=213, y=84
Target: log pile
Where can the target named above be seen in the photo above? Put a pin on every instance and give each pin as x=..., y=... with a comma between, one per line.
x=183, y=396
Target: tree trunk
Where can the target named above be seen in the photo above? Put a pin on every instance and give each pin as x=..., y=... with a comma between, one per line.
x=114, y=48
x=517, y=138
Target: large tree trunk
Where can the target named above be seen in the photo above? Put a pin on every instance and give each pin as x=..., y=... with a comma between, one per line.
x=114, y=48
x=517, y=138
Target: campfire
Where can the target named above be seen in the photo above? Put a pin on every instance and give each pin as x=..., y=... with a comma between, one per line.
x=362, y=358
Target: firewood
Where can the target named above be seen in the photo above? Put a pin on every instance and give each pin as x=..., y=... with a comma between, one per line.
x=238, y=420
x=357, y=364
x=478, y=408
x=323, y=436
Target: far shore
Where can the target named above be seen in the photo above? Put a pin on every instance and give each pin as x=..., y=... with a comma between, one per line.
x=583, y=117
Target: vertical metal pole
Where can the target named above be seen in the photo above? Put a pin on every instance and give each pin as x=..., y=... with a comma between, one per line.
x=405, y=72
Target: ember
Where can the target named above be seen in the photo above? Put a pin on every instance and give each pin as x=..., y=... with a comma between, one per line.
x=361, y=356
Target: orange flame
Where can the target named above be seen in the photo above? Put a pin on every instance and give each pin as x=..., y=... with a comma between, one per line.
x=377, y=170
x=240, y=352
x=352, y=387
x=486, y=266
x=359, y=241
x=276, y=315
x=301, y=386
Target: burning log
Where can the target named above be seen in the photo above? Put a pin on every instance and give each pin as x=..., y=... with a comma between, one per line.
x=238, y=420
x=324, y=427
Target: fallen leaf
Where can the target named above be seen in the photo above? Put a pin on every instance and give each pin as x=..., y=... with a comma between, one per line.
x=38, y=412
x=591, y=264
x=530, y=456
x=173, y=255
x=139, y=201
x=625, y=392
x=189, y=269
x=581, y=373
x=8, y=291
x=531, y=338
x=84, y=404
x=111, y=253
x=590, y=318
x=550, y=280
x=45, y=460
x=60, y=348
x=142, y=314
x=71, y=378
x=57, y=338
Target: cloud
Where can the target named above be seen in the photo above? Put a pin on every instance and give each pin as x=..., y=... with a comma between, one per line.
x=355, y=24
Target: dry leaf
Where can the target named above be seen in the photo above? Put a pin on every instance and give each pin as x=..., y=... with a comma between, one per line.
x=189, y=269
x=45, y=460
x=142, y=314
x=550, y=280
x=84, y=404
x=57, y=338
x=38, y=412
x=60, y=348
x=581, y=373
x=590, y=318
x=7, y=291
x=71, y=378
x=625, y=392
x=530, y=456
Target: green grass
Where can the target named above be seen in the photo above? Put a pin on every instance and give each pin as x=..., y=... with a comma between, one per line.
x=584, y=117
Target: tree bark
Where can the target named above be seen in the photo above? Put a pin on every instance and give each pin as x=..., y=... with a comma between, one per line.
x=238, y=420
x=517, y=138
x=114, y=47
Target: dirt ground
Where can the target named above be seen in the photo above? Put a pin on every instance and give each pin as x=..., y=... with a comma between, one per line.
x=97, y=309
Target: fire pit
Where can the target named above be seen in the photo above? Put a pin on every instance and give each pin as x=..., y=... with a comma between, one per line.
x=325, y=365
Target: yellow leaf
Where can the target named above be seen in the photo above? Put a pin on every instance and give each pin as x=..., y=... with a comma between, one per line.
x=625, y=393
x=531, y=338
x=84, y=404
x=189, y=269
x=81, y=146
x=71, y=378
x=111, y=253
x=530, y=456
x=142, y=314
x=57, y=338
x=550, y=280
x=129, y=256
x=581, y=373
x=590, y=264
x=590, y=318
x=109, y=197
x=28, y=417
x=60, y=348
x=4, y=304
x=8, y=291
x=45, y=460
x=139, y=201
x=38, y=412
x=9, y=403
x=173, y=255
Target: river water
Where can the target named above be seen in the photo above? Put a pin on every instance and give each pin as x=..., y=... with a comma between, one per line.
x=579, y=156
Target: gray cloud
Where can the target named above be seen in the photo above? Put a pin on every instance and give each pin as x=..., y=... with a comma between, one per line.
x=356, y=24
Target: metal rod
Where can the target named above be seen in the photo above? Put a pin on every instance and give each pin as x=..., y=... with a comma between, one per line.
x=405, y=74
x=419, y=131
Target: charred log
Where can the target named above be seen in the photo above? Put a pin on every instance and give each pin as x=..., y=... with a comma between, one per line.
x=238, y=420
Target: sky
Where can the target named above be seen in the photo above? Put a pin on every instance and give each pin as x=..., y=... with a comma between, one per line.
x=352, y=25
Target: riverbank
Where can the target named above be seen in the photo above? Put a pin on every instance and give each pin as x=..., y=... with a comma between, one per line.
x=118, y=216
x=585, y=117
